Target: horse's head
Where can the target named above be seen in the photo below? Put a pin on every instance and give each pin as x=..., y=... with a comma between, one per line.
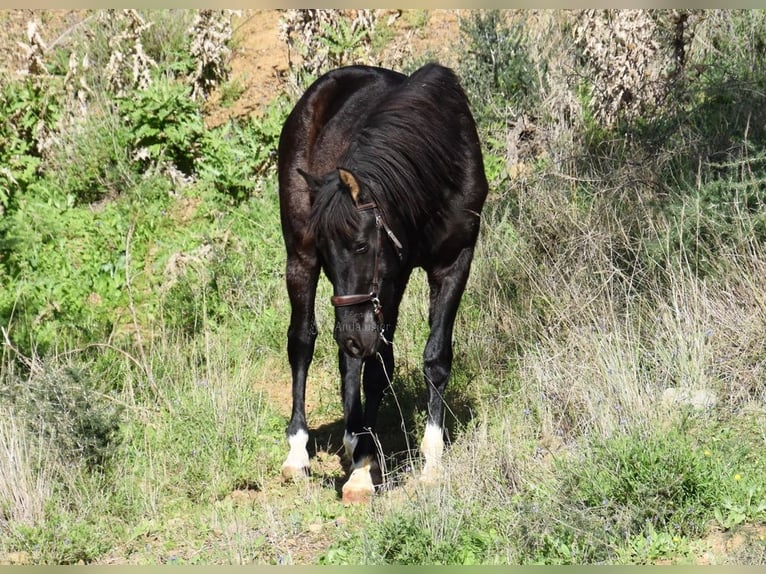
x=361, y=254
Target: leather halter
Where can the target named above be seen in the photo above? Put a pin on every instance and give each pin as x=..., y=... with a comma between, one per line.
x=372, y=296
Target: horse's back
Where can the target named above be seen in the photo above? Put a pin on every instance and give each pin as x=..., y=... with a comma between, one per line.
x=320, y=125
x=425, y=115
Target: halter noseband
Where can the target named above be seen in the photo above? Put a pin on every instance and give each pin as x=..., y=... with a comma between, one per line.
x=372, y=296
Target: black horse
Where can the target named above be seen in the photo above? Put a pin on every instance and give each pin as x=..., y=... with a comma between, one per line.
x=379, y=173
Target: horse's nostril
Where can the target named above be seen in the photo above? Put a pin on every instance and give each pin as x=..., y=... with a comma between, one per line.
x=353, y=348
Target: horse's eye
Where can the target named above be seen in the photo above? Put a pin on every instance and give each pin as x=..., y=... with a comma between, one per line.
x=361, y=248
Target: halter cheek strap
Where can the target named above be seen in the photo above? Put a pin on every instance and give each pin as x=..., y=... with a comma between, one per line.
x=372, y=296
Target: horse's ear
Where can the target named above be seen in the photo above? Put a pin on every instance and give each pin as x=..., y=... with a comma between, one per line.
x=313, y=182
x=350, y=182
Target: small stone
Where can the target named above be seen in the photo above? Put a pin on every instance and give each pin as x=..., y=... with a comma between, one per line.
x=697, y=398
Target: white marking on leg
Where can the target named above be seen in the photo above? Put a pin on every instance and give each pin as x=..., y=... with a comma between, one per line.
x=359, y=487
x=432, y=448
x=349, y=443
x=297, y=460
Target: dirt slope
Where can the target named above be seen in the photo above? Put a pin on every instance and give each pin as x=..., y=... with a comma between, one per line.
x=259, y=61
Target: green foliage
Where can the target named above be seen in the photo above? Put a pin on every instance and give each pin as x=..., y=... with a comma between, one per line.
x=63, y=262
x=213, y=448
x=165, y=41
x=65, y=540
x=68, y=264
x=234, y=274
x=165, y=125
x=659, y=481
x=90, y=159
x=496, y=69
x=649, y=493
x=500, y=80
x=700, y=156
x=239, y=153
x=640, y=497
x=29, y=110
x=344, y=44
x=652, y=546
x=230, y=91
x=213, y=434
x=729, y=211
x=412, y=539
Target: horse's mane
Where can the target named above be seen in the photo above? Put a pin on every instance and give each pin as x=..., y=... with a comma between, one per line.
x=334, y=213
x=405, y=155
x=407, y=152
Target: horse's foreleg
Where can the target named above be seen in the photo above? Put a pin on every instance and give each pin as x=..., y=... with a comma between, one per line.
x=362, y=447
x=356, y=438
x=301, y=335
x=447, y=286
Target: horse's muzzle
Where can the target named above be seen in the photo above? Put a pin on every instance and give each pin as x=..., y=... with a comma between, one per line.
x=358, y=335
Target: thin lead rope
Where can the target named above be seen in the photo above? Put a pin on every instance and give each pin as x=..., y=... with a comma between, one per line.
x=403, y=424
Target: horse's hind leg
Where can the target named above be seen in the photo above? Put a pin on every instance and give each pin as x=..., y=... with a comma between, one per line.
x=301, y=287
x=447, y=285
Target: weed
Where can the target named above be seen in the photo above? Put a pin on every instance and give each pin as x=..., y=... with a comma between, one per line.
x=67, y=412
x=165, y=126
x=240, y=153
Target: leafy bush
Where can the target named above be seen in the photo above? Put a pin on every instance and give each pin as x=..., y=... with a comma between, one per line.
x=67, y=410
x=413, y=539
x=239, y=153
x=496, y=69
x=501, y=81
x=29, y=110
x=90, y=159
x=165, y=125
x=636, y=481
x=325, y=39
x=62, y=263
x=640, y=497
x=64, y=539
x=699, y=156
x=673, y=482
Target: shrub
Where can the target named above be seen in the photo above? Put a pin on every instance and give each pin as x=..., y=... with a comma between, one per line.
x=165, y=125
x=29, y=110
x=239, y=153
x=501, y=81
x=90, y=158
x=325, y=39
x=635, y=481
x=496, y=69
x=67, y=411
x=415, y=539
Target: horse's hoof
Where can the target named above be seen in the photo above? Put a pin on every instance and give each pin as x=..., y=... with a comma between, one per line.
x=356, y=496
x=293, y=473
x=431, y=475
x=359, y=487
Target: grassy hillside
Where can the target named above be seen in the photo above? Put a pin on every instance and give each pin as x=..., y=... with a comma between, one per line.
x=607, y=401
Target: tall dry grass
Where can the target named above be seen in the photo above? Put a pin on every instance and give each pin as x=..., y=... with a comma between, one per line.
x=26, y=480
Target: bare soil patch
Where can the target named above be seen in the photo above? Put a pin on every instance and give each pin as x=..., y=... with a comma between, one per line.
x=260, y=59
